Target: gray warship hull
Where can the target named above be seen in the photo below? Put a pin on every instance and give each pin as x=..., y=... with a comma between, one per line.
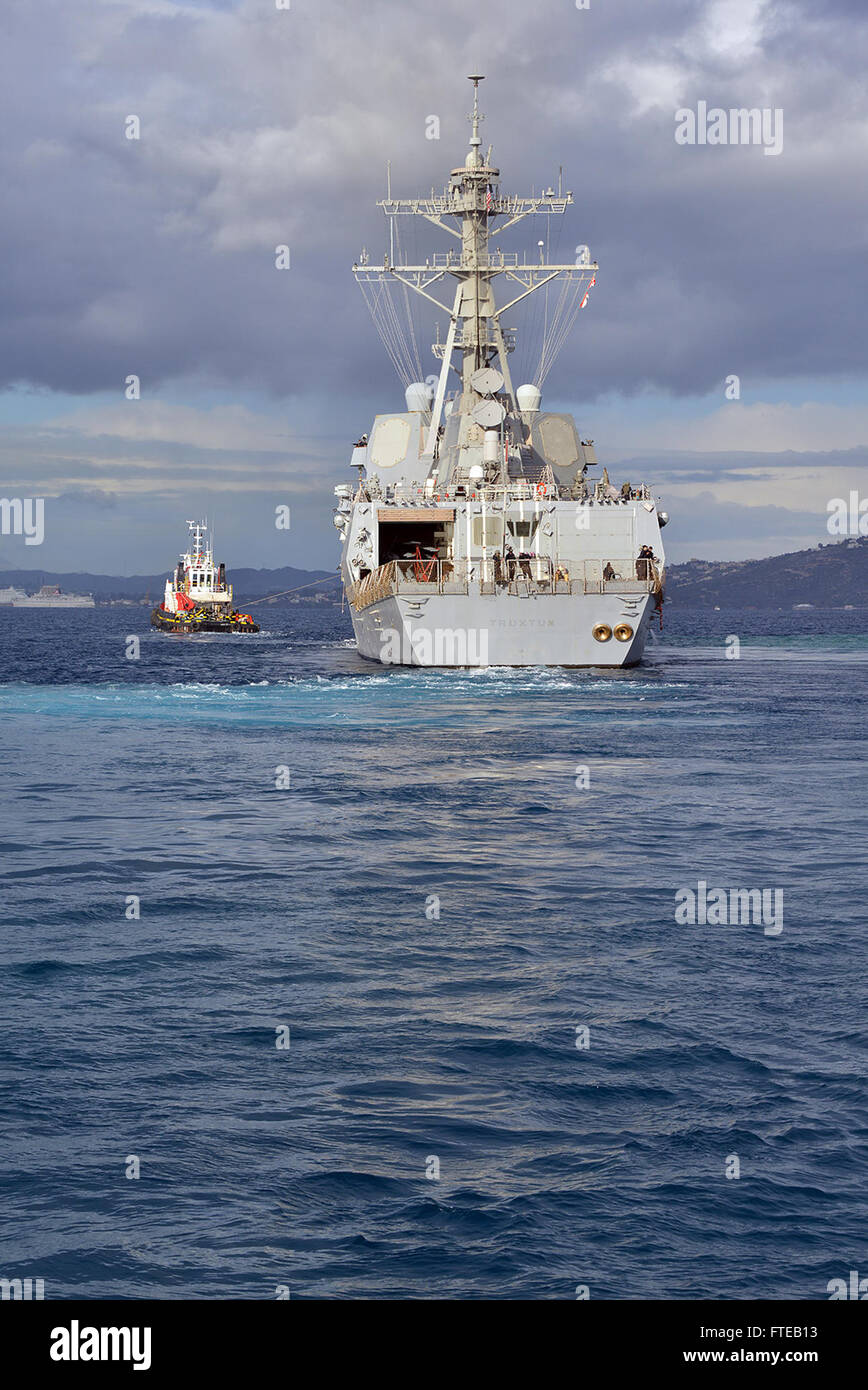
x=503, y=630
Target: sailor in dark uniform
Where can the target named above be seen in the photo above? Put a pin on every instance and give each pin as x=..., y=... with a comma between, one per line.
x=646, y=557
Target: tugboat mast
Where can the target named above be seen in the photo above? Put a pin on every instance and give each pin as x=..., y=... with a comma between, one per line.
x=198, y=530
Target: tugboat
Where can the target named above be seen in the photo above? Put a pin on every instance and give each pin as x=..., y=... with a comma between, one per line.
x=197, y=597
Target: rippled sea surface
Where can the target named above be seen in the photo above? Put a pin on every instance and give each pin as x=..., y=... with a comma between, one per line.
x=435, y=907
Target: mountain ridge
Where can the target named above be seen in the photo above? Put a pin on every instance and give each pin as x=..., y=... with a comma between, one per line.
x=828, y=576
x=247, y=584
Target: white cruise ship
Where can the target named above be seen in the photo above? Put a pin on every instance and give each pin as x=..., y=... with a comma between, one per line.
x=49, y=596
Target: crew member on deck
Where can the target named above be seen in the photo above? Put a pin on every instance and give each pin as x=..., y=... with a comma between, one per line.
x=643, y=564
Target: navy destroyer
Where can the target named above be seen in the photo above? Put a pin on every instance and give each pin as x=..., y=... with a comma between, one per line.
x=474, y=533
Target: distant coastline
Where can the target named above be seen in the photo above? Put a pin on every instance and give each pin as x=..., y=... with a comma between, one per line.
x=249, y=584
x=829, y=576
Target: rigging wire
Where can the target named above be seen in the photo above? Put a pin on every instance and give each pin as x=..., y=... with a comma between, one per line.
x=413, y=347
x=573, y=297
x=549, y=319
x=388, y=302
x=378, y=295
x=265, y=597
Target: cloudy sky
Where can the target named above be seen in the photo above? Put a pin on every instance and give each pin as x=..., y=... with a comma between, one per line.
x=262, y=126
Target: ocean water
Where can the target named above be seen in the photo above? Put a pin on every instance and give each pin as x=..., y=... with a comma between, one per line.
x=435, y=907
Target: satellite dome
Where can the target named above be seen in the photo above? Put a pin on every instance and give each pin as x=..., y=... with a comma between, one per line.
x=528, y=398
x=417, y=397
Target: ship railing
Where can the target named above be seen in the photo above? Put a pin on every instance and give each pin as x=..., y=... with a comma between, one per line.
x=617, y=576
x=432, y=576
x=519, y=576
x=444, y=259
x=484, y=575
x=545, y=575
x=377, y=585
x=517, y=489
x=597, y=494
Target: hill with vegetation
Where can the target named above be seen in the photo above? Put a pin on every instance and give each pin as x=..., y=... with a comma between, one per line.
x=830, y=576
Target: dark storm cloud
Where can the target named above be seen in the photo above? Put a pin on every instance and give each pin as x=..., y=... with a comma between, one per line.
x=260, y=127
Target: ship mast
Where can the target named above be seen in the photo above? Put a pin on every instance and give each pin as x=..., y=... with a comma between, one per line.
x=198, y=530
x=473, y=198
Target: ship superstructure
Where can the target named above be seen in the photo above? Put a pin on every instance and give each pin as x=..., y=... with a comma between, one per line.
x=473, y=535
